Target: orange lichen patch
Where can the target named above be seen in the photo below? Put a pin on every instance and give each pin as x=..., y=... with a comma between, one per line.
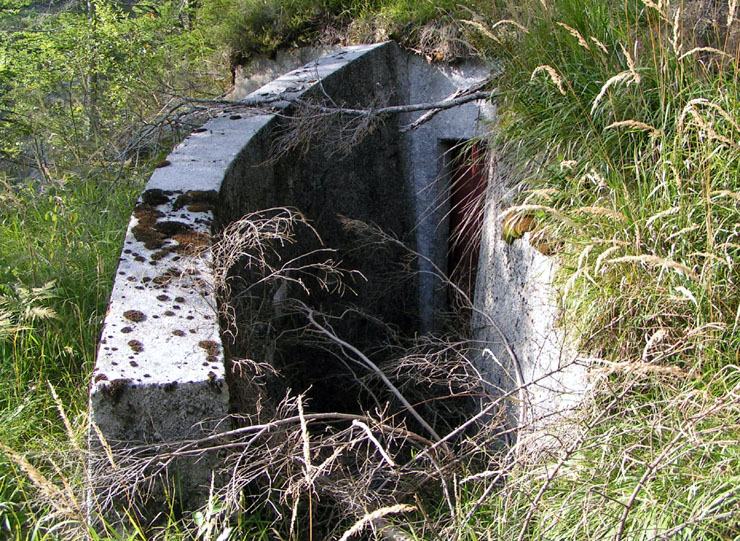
x=194, y=197
x=516, y=225
x=147, y=214
x=115, y=388
x=546, y=246
x=161, y=254
x=155, y=197
x=167, y=276
x=144, y=230
x=171, y=227
x=134, y=315
x=211, y=347
x=201, y=207
x=192, y=242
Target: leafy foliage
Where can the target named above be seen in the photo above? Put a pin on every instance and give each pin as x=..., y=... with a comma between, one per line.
x=76, y=84
x=84, y=92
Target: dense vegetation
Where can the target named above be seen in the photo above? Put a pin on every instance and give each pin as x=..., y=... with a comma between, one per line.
x=84, y=88
x=619, y=119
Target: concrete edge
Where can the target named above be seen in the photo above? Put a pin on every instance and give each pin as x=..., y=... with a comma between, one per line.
x=162, y=300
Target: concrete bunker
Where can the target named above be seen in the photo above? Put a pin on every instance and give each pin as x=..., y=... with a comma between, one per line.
x=165, y=370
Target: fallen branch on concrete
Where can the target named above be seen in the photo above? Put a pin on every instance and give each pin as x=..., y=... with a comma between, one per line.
x=272, y=105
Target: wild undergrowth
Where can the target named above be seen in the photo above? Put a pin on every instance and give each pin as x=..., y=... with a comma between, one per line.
x=58, y=252
x=619, y=124
x=90, y=96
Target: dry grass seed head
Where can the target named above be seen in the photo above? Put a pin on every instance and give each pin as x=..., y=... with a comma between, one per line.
x=732, y=7
x=576, y=34
x=601, y=211
x=676, y=36
x=655, y=261
x=489, y=32
x=369, y=518
x=50, y=494
x=524, y=209
x=662, y=214
x=625, y=76
x=636, y=125
x=712, y=50
x=599, y=44
x=554, y=76
x=659, y=7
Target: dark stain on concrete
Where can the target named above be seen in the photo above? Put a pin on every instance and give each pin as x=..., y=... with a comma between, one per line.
x=134, y=315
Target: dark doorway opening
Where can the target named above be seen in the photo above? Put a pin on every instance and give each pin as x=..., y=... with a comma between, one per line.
x=466, y=173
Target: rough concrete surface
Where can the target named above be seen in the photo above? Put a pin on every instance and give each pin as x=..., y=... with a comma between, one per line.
x=160, y=370
x=518, y=313
x=425, y=149
x=160, y=373
x=264, y=69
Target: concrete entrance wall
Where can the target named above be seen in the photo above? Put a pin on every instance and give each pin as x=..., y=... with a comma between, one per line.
x=160, y=369
x=160, y=374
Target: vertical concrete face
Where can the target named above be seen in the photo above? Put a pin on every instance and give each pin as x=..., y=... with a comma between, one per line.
x=425, y=164
x=160, y=374
x=160, y=370
x=526, y=354
x=364, y=183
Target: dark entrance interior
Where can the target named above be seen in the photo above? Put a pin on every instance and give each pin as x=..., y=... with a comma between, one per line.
x=464, y=162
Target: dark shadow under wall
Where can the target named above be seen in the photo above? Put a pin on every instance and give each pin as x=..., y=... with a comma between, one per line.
x=365, y=184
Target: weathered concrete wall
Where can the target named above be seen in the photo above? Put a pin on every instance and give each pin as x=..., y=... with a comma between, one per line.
x=424, y=155
x=160, y=370
x=365, y=183
x=526, y=354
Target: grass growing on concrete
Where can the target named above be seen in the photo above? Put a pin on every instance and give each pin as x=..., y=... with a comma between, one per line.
x=252, y=27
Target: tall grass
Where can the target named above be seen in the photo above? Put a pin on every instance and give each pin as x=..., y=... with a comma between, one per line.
x=58, y=253
x=618, y=124
x=621, y=120
x=60, y=236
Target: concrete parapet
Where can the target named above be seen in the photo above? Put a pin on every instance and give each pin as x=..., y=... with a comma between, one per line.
x=160, y=369
x=161, y=374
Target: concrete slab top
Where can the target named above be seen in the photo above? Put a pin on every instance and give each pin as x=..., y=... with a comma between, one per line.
x=161, y=326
